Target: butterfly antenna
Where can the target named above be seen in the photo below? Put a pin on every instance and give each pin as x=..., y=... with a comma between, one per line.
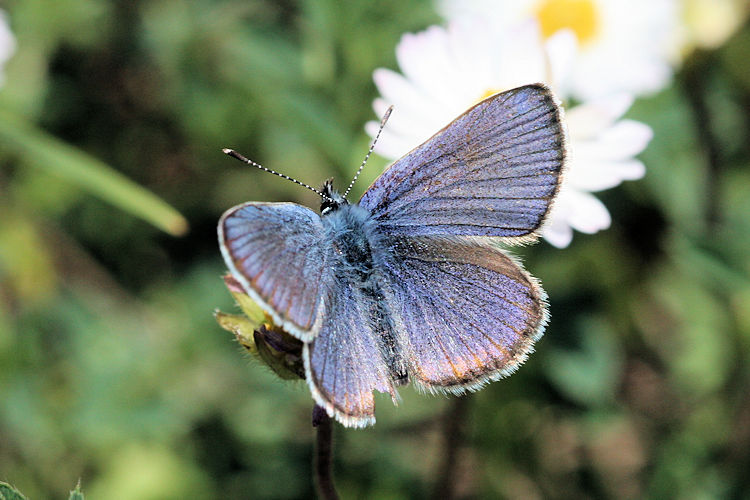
x=235, y=154
x=372, y=147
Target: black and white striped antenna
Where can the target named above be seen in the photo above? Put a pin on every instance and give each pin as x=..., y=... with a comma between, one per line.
x=235, y=154
x=369, y=152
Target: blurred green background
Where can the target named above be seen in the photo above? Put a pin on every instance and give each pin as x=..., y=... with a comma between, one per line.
x=113, y=370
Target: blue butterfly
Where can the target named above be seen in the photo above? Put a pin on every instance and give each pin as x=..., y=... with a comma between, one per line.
x=410, y=284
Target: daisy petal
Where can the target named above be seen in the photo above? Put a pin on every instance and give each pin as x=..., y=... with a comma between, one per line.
x=590, y=118
x=589, y=214
x=622, y=140
x=400, y=92
x=391, y=145
x=421, y=57
x=561, y=49
x=558, y=233
x=600, y=175
x=7, y=43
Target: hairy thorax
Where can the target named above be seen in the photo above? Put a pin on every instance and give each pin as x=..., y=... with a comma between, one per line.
x=350, y=229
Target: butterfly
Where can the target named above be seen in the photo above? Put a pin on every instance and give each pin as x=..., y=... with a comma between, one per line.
x=412, y=284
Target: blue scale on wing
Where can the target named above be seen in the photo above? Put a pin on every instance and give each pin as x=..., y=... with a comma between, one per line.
x=277, y=251
x=465, y=313
x=491, y=172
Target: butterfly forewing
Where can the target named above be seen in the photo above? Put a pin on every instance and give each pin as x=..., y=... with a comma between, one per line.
x=492, y=172
x=279, y=254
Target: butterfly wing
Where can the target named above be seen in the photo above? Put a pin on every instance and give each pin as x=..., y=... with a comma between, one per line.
x=493, y=171
x=278, y=252
x=466, y=313
x=345, y=363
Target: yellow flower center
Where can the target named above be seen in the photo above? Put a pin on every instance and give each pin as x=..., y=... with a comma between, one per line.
x=581, y=16
x=488, y=93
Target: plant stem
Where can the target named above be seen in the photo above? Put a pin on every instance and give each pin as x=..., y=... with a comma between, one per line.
x=454, y=437
x=323, y=462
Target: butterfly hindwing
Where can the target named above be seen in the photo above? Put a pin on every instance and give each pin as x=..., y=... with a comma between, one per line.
x=493, y=171
x=346, y=362
x=279, y=254
x=466, y=313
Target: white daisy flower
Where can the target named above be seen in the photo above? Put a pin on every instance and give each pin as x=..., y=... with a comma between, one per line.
x=446, y=71
x=602, y=156
x=7, y=43
x=625, y=45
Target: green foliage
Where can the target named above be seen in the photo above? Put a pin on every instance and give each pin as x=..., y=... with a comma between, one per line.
x=7, y=492
x=76, y=494
x=112, y=368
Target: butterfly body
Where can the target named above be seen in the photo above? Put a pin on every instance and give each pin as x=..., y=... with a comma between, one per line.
x=354, y=240
x=411, y=284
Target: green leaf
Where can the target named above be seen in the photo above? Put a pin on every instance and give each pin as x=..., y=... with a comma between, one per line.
x=7, y=492
x=42, y=150
x=588, y=375
x=241, y=326
x=76, y=494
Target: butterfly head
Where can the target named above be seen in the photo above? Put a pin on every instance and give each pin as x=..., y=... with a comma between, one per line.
x=332, y=200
